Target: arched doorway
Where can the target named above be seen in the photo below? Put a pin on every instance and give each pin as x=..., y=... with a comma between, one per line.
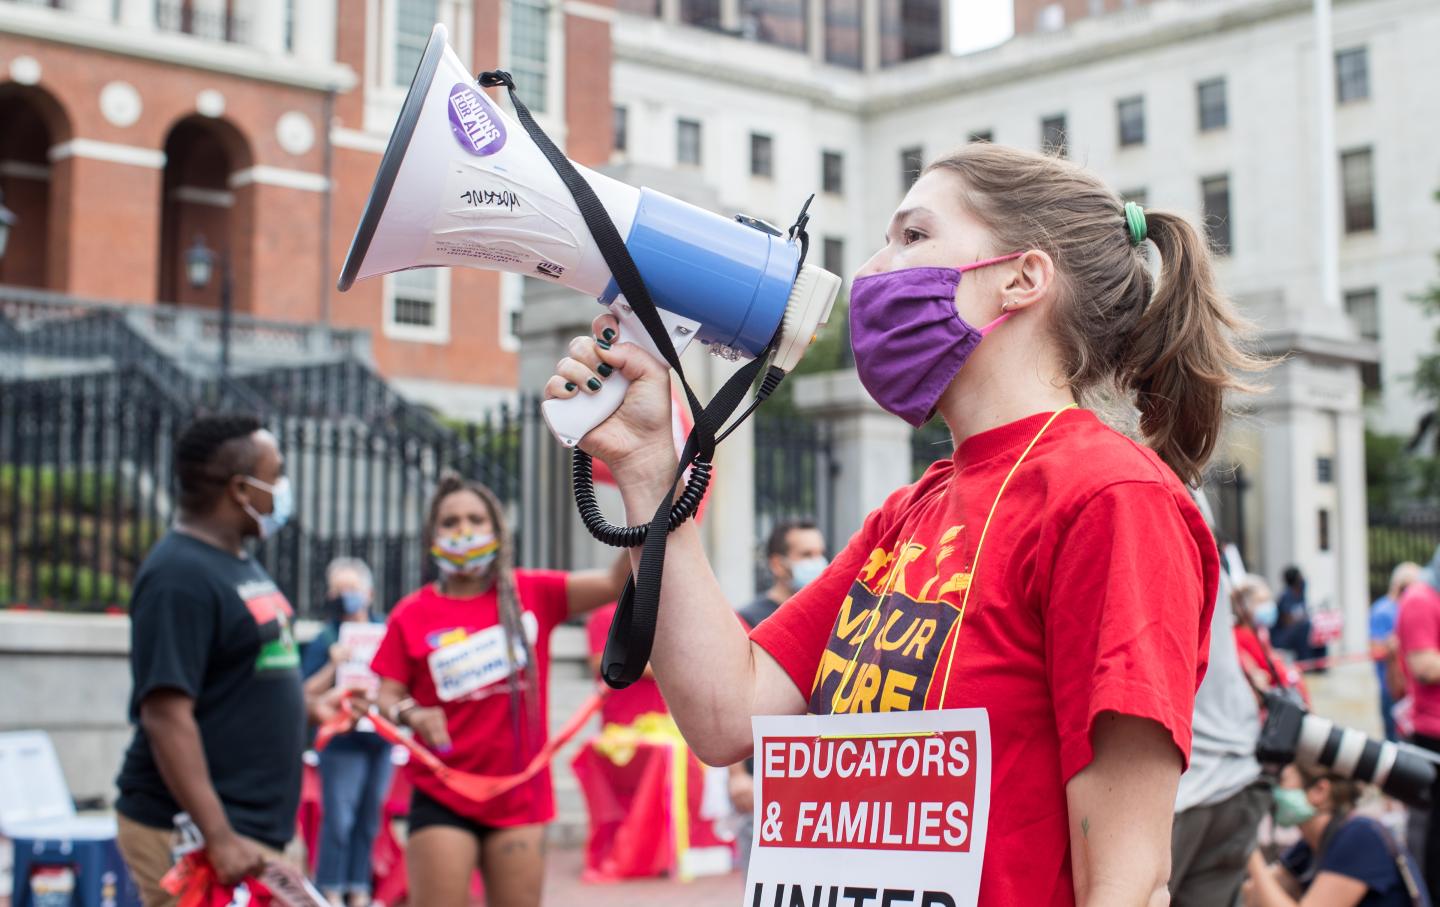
x=31, y=123
x=199, y=206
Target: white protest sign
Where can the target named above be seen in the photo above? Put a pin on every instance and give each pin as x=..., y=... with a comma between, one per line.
x=476, y=661
x=289, y=886
x=362, y=640
x=870, y=810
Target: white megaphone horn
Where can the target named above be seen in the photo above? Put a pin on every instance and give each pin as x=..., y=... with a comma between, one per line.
x=462, y=184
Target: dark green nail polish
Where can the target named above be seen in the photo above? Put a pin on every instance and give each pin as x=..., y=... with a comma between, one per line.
x=605, y=369
x=608, y=335
x=569, y=386
x=603, y=344
x=593, y=384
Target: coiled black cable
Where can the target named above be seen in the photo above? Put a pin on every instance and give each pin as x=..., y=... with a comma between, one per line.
x=606, y=532
x=632, y=536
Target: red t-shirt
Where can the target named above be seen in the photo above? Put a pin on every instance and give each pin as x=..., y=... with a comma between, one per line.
x=1093, y=593
x=641, y=697
x=442, y=647
x=1418, y=628
x=1258, y=655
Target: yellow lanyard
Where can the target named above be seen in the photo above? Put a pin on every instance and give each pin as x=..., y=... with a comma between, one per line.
x=890, y=580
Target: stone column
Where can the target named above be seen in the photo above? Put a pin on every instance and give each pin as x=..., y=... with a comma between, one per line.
x=267, y=25
x=730, y=15
x=138, y=14
x=1351, y=528
x=871, y=446
x=98, y=10
x=815, y=30
x=549, y=318
x=729, y=525
x=314, y=31
x=870, y=35
x=1314, y=393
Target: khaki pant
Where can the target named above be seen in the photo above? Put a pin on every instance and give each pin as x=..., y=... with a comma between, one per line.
x=147, y=853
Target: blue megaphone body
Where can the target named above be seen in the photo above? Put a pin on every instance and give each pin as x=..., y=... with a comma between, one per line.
x=462, y=184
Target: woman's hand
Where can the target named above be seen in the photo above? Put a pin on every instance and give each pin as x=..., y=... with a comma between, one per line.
x=339, y=654
x=636, y=441
x=325, y=706
x=360, y=702
x=429, y=724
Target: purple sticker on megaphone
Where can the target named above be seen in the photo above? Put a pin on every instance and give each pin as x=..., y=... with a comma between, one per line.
x=477, y=126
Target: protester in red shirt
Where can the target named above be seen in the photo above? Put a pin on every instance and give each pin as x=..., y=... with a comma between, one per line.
x=1053, y=573
x=465, y=663
x=1418, y=629
x=1263, y=665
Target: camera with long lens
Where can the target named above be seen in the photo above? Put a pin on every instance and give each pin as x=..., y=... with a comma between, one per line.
x=1292, y=734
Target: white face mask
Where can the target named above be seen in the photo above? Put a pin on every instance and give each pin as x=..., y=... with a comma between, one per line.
x=803, y=573
x=282, y=505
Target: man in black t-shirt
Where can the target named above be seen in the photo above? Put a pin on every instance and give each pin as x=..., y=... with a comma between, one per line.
x=217, y=700
x=795, y=555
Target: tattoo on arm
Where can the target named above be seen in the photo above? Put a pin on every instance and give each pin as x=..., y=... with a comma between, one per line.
x=1085, y=826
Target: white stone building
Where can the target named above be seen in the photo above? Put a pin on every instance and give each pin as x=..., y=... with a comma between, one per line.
x=1201, y=106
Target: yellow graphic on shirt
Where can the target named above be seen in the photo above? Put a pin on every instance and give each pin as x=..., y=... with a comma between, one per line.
x=891, y=628
x=448, y=637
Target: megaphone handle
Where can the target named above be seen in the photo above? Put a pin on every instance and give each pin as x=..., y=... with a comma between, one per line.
x=571, y=420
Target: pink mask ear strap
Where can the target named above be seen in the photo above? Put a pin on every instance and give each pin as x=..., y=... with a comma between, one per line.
x=994, y=324
x=989, y=261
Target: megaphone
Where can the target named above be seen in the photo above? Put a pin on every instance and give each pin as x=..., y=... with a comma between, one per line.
x=463, y=185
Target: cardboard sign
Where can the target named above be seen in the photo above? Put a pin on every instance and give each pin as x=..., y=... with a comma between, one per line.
x=881, y=808
x=362, y=640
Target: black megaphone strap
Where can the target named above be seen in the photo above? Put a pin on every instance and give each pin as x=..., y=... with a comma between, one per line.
x=632, y=632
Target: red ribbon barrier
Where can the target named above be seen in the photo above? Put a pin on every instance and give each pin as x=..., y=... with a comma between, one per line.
x=1316, y=664
x=473, y=787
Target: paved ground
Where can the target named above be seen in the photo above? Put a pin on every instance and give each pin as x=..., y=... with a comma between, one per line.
x=1346, y=695
x=563, y=888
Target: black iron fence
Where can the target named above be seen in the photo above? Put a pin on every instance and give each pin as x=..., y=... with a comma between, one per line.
x=87, y=485
x=87, y=482
x=90, y=407
x=796, y=475
x=1395, y=538
x=932, y=442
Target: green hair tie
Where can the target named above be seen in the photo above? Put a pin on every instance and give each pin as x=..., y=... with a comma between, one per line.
x=1135, y=220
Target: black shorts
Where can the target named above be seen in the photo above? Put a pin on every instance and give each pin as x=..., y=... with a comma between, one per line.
x=426, y=811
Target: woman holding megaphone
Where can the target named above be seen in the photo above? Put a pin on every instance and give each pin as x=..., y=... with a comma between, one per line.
x=1053, y=572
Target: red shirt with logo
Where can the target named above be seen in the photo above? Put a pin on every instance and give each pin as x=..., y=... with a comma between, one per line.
x=449, y=652
x=1418, y=628
x=1092, y=592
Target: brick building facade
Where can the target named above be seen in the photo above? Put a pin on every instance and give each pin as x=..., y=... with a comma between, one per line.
x=129, y=131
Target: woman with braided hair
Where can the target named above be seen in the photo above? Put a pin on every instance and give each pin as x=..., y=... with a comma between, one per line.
x=464, y=663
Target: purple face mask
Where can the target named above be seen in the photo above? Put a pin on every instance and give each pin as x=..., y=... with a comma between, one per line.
x=909, y=341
